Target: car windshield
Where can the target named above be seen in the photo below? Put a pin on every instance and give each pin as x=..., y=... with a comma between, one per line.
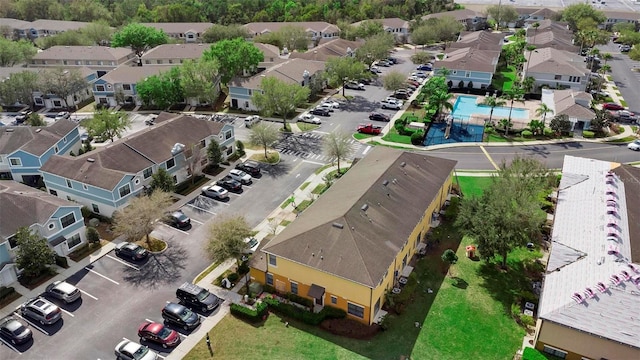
x=141, y=352
x=203, y=295
x=252, y=242
x=185, y=314
x=139, y=250
x=164, y=333
x=18, y=330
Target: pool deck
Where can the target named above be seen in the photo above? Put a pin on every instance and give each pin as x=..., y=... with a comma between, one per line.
x=531, y=105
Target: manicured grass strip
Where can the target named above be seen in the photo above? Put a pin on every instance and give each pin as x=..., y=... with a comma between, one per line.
x=306, y=127
x=319, y=189
x=473, y=185
x=206, y=272
x=393, y=136
x=304, y=186
x=623, y=140
x=322, y=168
x=360, y=136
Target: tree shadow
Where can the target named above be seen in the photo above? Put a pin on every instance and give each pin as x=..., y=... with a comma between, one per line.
x=537, y=150
x=277, y=170
x=459, y=283
x=360, y=104
x=161, y=269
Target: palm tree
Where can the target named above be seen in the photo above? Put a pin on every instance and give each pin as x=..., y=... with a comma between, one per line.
x=513, y=94
x=528, y=83
x=603, y=70
x=441, y=101
x=492, y=102
x=536, y=126
x=606, y=57
x=506, y=124
x=543, y=110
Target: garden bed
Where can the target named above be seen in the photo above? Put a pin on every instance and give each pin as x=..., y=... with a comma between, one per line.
x=7, y=296
x=85, y=250
x=273, y=157
x=32, y=283
x=350, y=328
x=188, y=186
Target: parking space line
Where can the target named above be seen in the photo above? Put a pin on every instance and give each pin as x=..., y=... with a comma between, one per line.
x=89, y=295
x=314, y=162
x=122, y=262
x=171, y=227
x=102, y=276
x=32, y=324
x=66, y=312
x=201, y=209
x=197, y=222
x=160, y=356
x=234, y=194
x=9, y=345
x=366, y=150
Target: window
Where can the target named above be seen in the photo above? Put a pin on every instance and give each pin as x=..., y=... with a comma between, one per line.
x=468, y=74
x=229, y=150
x=126, y=86
x=159, y=62
x=73, y=241
x=125, y=190
x=203, y=143
x=334, y=300
x=15, y=162
x=147, y=62
x=555, y=352
x=294, y=288
x=171, y=163
x=170, y=61
x=56, y=149
x=557, y=77
x=68, y=220
x=13, y=242
x=84, y=186
x=227, y=135
x=100, y=88
x=96, y=209
x=269, y=279
x=273, y=260
x=355, y=310
x=146, y=173
x=52, y=226
x=53, y=192
x=249, y=92
x=69, y=183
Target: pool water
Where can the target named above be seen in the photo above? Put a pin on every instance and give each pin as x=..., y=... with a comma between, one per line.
x=465, y=106
x=460, y=132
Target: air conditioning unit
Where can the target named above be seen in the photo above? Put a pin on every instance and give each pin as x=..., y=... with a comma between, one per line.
x=177, y=148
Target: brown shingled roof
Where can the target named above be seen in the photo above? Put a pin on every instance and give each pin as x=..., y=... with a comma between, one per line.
x=365, y=244
x=127, y=74
x=35, y=140
x=316, y=26
x=61, y=52
x=176, y=51
x=290, y=71
x=327, y=50
x=180, y=27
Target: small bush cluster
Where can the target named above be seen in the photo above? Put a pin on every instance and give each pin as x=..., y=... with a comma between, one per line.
x=6, y=291
x=547, y=131
x=305, y=316
x=530, y=353
x=417, y=138
x=250, y=314
x=526, y=133
x=233, y=277
x=588, y=134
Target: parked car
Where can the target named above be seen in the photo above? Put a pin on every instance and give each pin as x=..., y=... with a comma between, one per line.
x=416, y=79
x=250, y=167
x=252, y=245
x=379, y=117
x=241, y=176
x=635, y=145
x=369, y=129
x=131, y=251
x=178, y=219
x=420, y=74
x=22, y=116
x=62, y=115
x=230, y=184
x=425, y=67
x=365, y=81
x=354, y=86
x=625, y=48
x=41, y=310
x=129, y=350
x=249, y=121
x=181, y=316
x=383, y=63
x=193, y=296
x=14, y=331
x=158, y=333
x=391, y=104
x=309, y=118
x=320, y=111
x=612, y=106
x=404, y=95
x=215, y=192
x=375, y=70
x=334, y=104
x=64, y=291
x=392, y=60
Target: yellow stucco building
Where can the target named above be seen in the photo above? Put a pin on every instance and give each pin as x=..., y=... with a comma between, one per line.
x=354, y=242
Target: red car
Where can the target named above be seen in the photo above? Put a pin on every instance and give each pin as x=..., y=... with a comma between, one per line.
x=158, y=333
x=612, y=106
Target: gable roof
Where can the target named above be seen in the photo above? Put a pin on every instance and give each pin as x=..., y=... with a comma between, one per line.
x=55, y=25
x=180, y=27
x=106, y=166
x=315, y=26
x=622, y=15
x=482, y=40
x=7, y=71
x=61, y=52
x=551, y=34
x=469, y=59
x=35, y=140
x=327, y=50
x=13, y=23
x=579, y=256
x=23, y=206
x=176, y=51
x=558, y=62
x=132, y=74
x=289, y=71
x=565, y=104
x=459, y=15
x=546, y=13
x=387, y=23
x=368, y=241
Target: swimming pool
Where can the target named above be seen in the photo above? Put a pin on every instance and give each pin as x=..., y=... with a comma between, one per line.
x=465, y=106
x=460, y=132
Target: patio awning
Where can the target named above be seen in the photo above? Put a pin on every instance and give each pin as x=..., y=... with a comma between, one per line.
x=407, y=271
x=316, y=291
x=57, y=241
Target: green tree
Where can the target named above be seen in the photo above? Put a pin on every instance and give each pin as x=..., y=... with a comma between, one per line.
x=514, y=94
x=421, y=57
x=163, y=90
x=98, y=32
x=140, y=217
x=63, y=83
x=36, y=120
x=502, y=14
x=536, y=126
x=622, y=27
x=93, y=237
x=87, y=11
x=505, y=124
x=528, y=83
x=337, y=145
x=15, y=52
x=67, y=38
x=226, y=239
x=293, y=37
x=139, y=38
x=423, y=35
x=200, y=79
x=107, y=125
x=508, y=214
x=339, y=70
x=30, y=10
x=634, y=54
x=449, y=256
x=368, y=28
x=600, y=121
x=224, y=32
x=214, y=153
x=234, y=57
x=19, y=88
x=542, y=111
x=161, y=180
x=560, y=124
x=279, y=97
x=493, y=102
x=393, y=80
x=375, y=47
x=579, y=11
x=262, y=134
x=33, y=254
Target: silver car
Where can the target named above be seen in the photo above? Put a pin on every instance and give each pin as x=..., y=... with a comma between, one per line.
x=41, y=310
x=64, y=291
x=241, y=176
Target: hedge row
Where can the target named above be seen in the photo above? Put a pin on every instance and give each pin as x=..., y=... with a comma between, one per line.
x=307, y=317
x=249, y=314
x=289, y=296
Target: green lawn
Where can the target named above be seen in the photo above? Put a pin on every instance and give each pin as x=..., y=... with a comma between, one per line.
x=360, y=136
x=393, y=136
x=473, y=185
x=504, y=78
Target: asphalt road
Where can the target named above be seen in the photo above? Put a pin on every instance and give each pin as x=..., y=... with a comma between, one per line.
x=623, y=75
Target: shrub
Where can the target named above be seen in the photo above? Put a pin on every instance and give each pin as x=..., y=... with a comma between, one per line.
x=6, y=291
x=470, y=85
x=461, y=84
x=86, y=213
x=240, y=148
x=233, y=277
x=527, y=320
x=250, y=314
x=300, y=300
x=270, y=289
x=305, y=316
x=547, y=132
x=526, y=133
x=80, y=151
x=243, y=268
x=417, y=138
x=92, y=235
x=452, y=210
x=588, y=134
x=62, y=261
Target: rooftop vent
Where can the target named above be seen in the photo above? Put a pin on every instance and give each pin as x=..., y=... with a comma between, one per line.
x=385, y=183
x=91, y=160
x=177, y=148
x=38, y=130
x=364, y=207
x=403, y=164
x=337, y=225
x=9, y=130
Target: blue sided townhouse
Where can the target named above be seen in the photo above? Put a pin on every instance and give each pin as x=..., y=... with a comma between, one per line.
x=106, y=179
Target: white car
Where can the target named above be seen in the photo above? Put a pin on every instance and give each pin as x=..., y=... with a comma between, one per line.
x=308, y=118
x=334, y=104
x=415, y=78
x=635, y=145
x=62, y=115
x=215, y=192
x=241, y=176
x=252, y=245
x=251, y=120
x=391, y=104
x=129, y=350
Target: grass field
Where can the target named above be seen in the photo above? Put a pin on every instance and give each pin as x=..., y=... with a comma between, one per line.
x=393, y=136
x=504, y=78
x=473, y=185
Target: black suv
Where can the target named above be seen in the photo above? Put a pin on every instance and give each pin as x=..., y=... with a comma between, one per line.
x=250, y=167
x=193, y=296
x=181, y=316
x=230, y=184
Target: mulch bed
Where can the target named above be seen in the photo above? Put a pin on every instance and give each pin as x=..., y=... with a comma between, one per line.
x=32, y=283
x=13, y=296
x=350, y=328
